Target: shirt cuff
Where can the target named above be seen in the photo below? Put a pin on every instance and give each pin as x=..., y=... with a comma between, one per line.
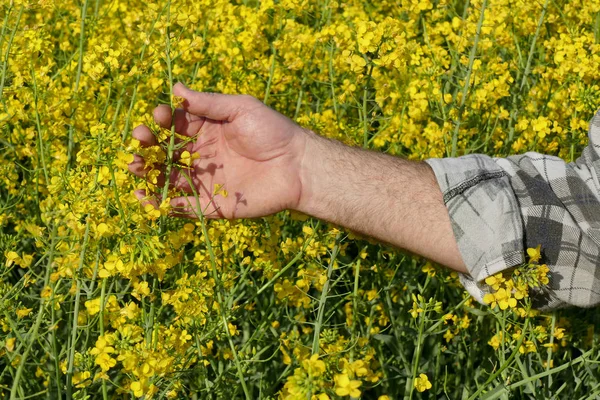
x=484, y=214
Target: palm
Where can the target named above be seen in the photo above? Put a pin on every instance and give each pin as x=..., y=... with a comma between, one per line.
x=253, y=165
x=254, y=156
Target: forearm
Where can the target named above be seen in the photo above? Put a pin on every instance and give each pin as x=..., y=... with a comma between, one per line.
x=388, y=198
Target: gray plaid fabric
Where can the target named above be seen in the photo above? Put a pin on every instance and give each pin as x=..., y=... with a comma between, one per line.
x=499, y=207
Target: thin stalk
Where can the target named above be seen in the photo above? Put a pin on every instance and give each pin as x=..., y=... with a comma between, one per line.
x=76, y=312
x=5, y=64
x=135, y=87
x=38, y=125
x=4, y=25
x=536, y=377
x=101, y=321
x=364, y=108
x=332, y=86
x=523, y=369
x=170, y=149
x=271, y=74
x=417, y=355
x=32, y=336
x=467, y=80
x=213, y=264
x=324, y=292
x=55, y=347
x=515, y=113
x=355, y=305
x=169, y=165
x=287, y=266
x=549, y=355
x=71, y=144
x=505, y=365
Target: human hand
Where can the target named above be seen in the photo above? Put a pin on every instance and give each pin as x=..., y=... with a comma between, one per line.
x=254, y=152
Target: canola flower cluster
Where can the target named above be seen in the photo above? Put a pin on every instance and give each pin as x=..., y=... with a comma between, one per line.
x=101, y=297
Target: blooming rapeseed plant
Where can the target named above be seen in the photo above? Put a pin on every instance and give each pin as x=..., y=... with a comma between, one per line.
x=102, y=297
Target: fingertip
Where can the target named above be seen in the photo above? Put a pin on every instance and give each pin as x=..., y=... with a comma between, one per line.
x=140, y=194
x=179, y=89
x=138, y=166
x=162, y=115
x=145, y=199
x=181, y=202
x=144, y=135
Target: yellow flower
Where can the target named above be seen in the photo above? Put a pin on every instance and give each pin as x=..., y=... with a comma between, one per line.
x=542, y=274
x=137, y=388
x=187, y=158
x=502, y=298
x=151, y=212
x=219, y=190
x=422, y=383
x=105, y=361
x=534, y=253
x=11, y=257
x=448, y=335
x=429, y=269
x=23, y=312
x=415, y=310
x=46, y=292
x=177, y=101
x=527, y=347
x=93, y=306
x=10, y=344
x=102, y=229
x=80, y=379
x=496, y=341
x=314, y=366
x=104, y=175
x=489, y=298
x=495, y=281
x=102, y=351
x=344, y=386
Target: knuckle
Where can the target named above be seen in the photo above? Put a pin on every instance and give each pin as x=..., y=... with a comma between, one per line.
x=248, y=100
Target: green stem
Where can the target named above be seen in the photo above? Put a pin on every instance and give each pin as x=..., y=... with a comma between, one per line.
x=76, y=312
x=364, y=108
x=552, y=371
x=355, y=305
x=324, y=292
x=40, y=144
x=5, y=65
x=71, y=145
x=467, y=80
x=417, y=355
x=32, y=336
x=271, y=74
x=101, y=321
x=505, y=365
x=219, y=288
x=515, y=113
x=549, y=355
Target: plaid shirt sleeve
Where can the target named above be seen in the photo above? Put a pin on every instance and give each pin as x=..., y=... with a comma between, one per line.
x=501, y=206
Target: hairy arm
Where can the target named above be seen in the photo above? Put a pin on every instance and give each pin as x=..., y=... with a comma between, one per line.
x=388, y=198
x=268, y=163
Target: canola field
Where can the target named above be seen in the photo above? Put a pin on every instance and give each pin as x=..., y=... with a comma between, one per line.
x=101, y=298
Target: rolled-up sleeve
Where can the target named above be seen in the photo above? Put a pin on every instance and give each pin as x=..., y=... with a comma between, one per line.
x=501, y=206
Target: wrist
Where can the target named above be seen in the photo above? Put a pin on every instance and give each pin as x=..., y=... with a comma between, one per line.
x=315, y=173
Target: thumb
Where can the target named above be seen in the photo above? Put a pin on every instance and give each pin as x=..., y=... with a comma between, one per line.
x=217, y=106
